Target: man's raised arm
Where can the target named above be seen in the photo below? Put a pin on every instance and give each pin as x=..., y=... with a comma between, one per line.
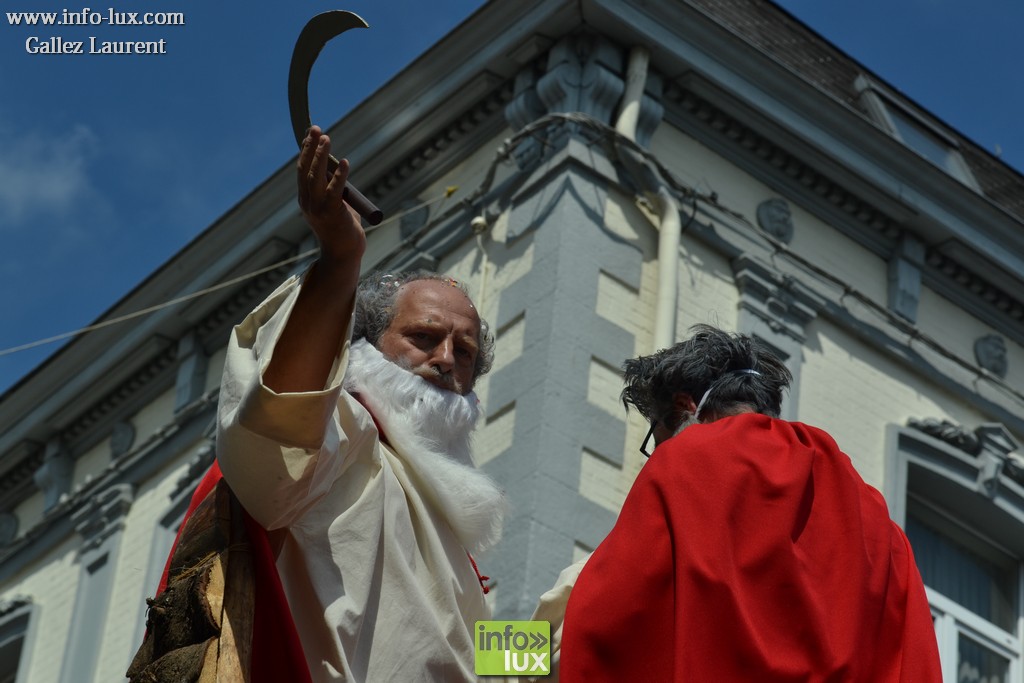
x=317, y=325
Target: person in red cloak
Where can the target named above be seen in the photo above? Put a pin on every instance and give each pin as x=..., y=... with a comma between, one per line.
x=748, y=549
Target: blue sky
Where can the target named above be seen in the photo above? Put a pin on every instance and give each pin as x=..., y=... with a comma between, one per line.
x=111, y=164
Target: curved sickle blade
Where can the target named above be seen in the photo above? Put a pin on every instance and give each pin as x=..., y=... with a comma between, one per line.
x=311, y=41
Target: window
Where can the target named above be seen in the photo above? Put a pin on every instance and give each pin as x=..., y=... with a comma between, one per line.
x=973, y=585
x=968, y=540
x=15, y=619
x=926, y=143
x=914, y=130
x=100, y=523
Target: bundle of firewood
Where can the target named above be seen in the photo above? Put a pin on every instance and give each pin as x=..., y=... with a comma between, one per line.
x=199, y=629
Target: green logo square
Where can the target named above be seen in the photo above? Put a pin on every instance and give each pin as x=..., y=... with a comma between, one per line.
x=513, y=648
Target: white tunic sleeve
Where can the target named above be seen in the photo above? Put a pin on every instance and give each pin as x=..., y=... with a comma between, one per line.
x=280, y=453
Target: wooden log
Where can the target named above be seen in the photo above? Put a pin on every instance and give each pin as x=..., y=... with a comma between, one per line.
x=213, y=594
x=200, y=628
x=192, y=664
x=235, y=662
x=205, y=534
x=182, y=615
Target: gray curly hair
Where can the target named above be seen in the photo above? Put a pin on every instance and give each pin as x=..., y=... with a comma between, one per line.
x=709, y=359
x=375, y=310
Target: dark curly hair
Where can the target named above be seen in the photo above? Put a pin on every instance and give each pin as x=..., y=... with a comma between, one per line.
x=375, y=310
x=710, y=359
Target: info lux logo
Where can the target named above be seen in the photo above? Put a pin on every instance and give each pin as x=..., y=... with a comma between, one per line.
x=513, y=648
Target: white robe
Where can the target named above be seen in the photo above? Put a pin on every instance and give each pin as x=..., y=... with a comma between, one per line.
x=372, y=539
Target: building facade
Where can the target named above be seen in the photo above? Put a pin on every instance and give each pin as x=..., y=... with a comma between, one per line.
x=602, y=174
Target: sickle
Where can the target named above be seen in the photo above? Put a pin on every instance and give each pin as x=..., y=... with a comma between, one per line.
x=314, y=36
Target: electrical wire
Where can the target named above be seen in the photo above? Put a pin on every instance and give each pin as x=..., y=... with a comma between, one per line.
x=157, y=307
x=208, y=290
x=607, y=134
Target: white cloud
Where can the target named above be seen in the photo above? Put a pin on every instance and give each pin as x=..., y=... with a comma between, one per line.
x=45, y=175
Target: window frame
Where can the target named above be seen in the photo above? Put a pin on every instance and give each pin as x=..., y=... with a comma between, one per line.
x=880, y=103
x=20, y=621
x=953, y=476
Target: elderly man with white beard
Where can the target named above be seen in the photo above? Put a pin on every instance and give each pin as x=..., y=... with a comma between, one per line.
x=354, y=455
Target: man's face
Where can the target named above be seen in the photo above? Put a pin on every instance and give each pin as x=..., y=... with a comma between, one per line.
x=434, y=334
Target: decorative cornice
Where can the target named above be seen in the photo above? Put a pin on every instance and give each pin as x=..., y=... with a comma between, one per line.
x=142, y=461
x=976, y=286
x=879, y=231
x=13, y=603
x=16, y=483
x=103, y=515
x=54, y=476
x=486, y=109
x=123, y=393
x=1014, y=467
x=725, y=127
x=953, y=434
x=240, y=302
x=28, y=457
x=100, y=416
x=583, y=74
x=991, y=445
x=781, y=301
x=9, y=525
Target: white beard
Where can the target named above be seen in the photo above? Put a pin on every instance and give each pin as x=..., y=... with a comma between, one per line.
x=429, y=429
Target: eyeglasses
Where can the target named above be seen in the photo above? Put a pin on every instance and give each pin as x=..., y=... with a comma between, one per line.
x=647, y=439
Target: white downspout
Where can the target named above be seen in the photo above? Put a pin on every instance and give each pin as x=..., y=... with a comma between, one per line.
x=636, y=82
x=669, y=234
x=669, y=224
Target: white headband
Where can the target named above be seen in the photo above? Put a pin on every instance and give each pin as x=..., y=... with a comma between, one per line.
x=704, y=398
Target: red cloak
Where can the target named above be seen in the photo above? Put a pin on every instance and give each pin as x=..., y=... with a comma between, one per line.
x=276, y=651
x=749, y=549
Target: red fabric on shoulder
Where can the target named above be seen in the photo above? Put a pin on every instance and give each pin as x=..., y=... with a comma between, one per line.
x=749, y=549
x=276, y=650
